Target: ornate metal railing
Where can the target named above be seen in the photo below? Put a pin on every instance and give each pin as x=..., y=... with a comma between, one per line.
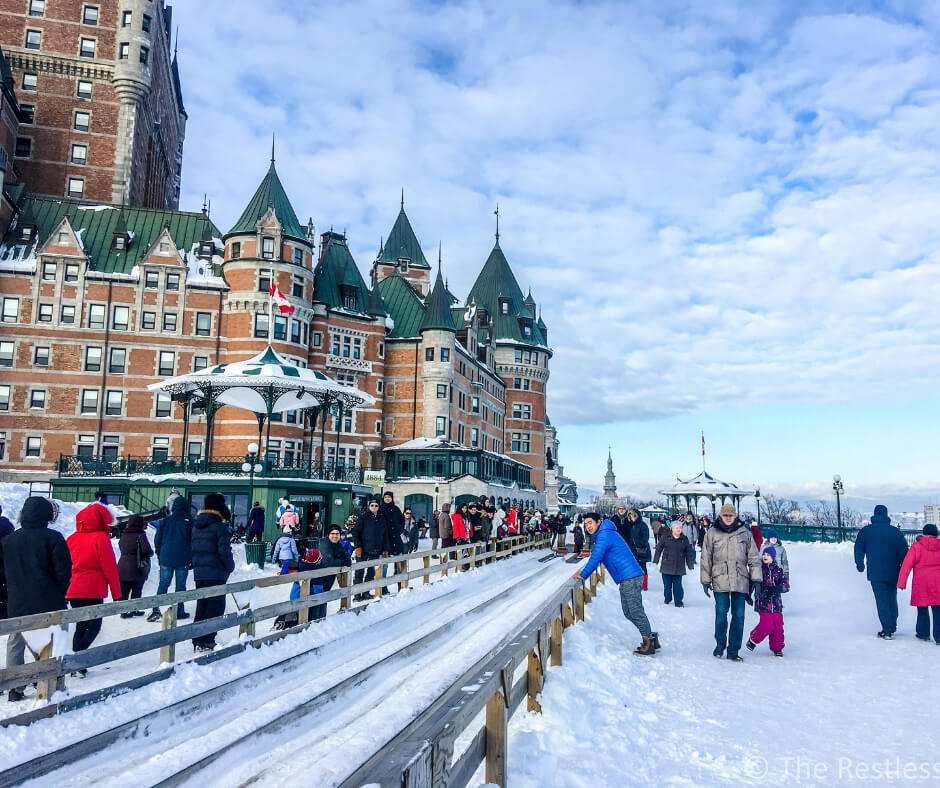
x=77, y=465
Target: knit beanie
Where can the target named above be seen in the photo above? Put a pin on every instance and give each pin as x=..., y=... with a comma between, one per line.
x=930, y=530
x=771, y=552
x=728, y=508
x=881, y=510
x=312, y=556
x=334, y=527
x=770, y=533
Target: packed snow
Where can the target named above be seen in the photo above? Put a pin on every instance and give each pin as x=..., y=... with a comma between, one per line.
x=841, y=706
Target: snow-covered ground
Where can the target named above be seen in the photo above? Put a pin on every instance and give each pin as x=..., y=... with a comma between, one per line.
x=841, y=707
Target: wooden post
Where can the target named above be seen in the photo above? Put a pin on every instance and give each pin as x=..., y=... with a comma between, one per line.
x=603, y=575
x=496, y=717
x=534, y=681
x=344, y=580
x=427, y=569
x=556, y=641
x=567, y=616
x=579, y=604
x=593, y=584
x=303, y=615
x=402, y=568
x=45, y=688
x=168, y=652
x=378, y=576
x=444, y=561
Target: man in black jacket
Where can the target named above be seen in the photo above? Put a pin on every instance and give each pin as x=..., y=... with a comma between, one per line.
x=885, y=547
x=35, y=569
x=370, y=538
x=395, y=522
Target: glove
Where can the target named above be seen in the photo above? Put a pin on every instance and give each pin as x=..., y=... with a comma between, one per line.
x=860, y=568
x=707, y=588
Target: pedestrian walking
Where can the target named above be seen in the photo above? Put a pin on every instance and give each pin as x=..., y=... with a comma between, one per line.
x=730, y=567
x=577, y=534
x=173, y=547
x=673, y=554
x=370, y=538
x=285, y=550
x=434, y=529
x=623, y=524
x=212, y=561
x=289, y=518
x=611, y=550
x=923, y=559
x=640, y=542
x=256, y=523
x=94, y=571
x=884, y=548
x=445, y=526
x=768, y=604
x=772, y=540
x=35, y=572
x=134, y=563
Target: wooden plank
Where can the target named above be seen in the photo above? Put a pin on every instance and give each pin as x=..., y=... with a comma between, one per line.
x=534, y=685
x=168, y=652
x=496, y=719
x=567, y=617
x=45, y=688
x=463, y=767
x=579, y=604
x=303, y=615
x=556, y=641
x=345, y=580
x=444, y=563
x=427, y=565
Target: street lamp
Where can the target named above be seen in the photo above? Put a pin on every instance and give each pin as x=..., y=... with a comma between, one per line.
x=838, y=489
x=714, y=515
x=757, y=498
x=251, y=467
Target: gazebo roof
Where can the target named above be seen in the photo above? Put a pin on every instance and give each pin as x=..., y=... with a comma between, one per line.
x=263, y=380
x=705, y=485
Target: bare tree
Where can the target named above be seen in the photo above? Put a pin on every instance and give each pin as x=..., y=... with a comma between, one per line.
x=778, y=510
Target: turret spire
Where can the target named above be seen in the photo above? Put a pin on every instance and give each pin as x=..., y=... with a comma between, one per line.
x=497, y=223
x=272, y=147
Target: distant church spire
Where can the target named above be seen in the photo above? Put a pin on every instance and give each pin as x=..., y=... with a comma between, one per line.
x=610, y=481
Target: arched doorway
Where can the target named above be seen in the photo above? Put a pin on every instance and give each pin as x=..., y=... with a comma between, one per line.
x=421, y=505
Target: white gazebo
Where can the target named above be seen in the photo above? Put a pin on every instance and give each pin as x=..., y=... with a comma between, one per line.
x=265, y=384
x=704, y=486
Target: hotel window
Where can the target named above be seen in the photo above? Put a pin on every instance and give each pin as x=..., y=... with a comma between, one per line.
x=114, y=403
x=33, y=39
x=30, y=82
x=45, y=313
x=76, y=187
x=37, y=7
x=160, y=449
x=298, y=256
x=81, y=121
x=37, y=399
x=24, y=147
x=4, y=398
x=6, y=354
x=118, y=361
x=172, y=281
x=148, y=321
x=169, y=321
x=317, y=339
x=86, y=47
x=71, y=272
x=350, y=297
x=347, y=345
x=267, y=248
x=163, y=406
x=261, y=326
x=264, y=280
x=295, y=331
x=110, y=446
x=90, y=401
x=48, y=271
x=194, y=450
x=145, y=23
x=33, y=447
x=67, y=315
x=379, y=385
x=11, y=310
x=236, y=250
x=83, y=89
x=92, y=359
x=445, y=354
x=280, y=327
x=474, y=437
x=27, y=114
x=96, y=316
x=125, y=18
x=85, y=446
x=90, y=15
x=124, y=50
x=40, y=356
x=79, y=153
x=144, y=55
x=297, y=286
x=429, y=354
x=167, y=363
x=200, y=362
x=203, y=324
x=475, y=405
x=152, y=279
x=440, y=425
x=520, y=442
x=121, y=318
x=381, y=350
x=357, y=348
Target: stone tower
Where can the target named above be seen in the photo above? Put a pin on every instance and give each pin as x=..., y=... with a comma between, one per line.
x=610, y=481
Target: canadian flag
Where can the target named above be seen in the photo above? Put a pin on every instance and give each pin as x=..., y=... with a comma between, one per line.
x=280, y=299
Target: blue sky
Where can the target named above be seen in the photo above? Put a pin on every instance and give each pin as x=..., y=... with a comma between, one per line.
x=727, y=211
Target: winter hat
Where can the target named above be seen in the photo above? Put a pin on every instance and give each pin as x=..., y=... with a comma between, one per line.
x=285, y=529
x=312, y=556
x=38, y=511
x=881, y=510
x=930, y=530
x=334, y=527
x=136, y=524
x=771, y=552
x=216, y=503
x=770, y=533
x=728, y=509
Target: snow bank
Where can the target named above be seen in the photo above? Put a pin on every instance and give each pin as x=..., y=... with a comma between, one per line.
x=13, y=495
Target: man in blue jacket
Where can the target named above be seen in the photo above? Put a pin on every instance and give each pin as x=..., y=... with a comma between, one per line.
x=885, y=547
x=173, y=546
x=611, y=550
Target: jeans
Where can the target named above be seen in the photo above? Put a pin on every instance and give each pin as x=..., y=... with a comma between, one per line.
x=366, y=574
x=672, y=587
x=85, y=631
x=166, y=574
x=923, y=622
x=886, y=600
x=631, y=601
x=212, y=607
x=725, y=601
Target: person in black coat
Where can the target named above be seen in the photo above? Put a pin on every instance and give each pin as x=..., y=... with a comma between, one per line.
x=133, y=545
x=212, y=561
x=333, y=554
x=371, y=540
x=35, y=570
x=395, y=522
x=674, y=553
x=256, y=523
x=884, y=547
x=624, y=526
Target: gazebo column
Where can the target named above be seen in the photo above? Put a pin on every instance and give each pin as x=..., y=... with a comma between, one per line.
x=183, y=452
x=339, y=427
x=210, y=424
x=267, y=438
x=261, y=419
x=323, y=439
x=312, y=426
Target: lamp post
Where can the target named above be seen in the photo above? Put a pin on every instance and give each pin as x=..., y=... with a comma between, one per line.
x=251, y=467
x=757, y=498
x=714, y=515
x=838, y=490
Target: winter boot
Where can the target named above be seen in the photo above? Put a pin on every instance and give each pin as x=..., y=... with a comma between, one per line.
x=778, y=653
x=16, y=694
x=646, y=648
x=718, y=652
x=655, y=637
x=154, y=616
x=735, y=657
x=750, y=645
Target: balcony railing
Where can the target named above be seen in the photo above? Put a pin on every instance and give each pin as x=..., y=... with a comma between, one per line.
x=72, y=465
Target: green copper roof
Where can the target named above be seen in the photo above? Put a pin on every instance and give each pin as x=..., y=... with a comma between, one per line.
x=96, y=225
x=377, y=306
x=404, y=305
x=270, y=194
x=496, y=281
x=403, y=243
x=338, y=269
x=437, y=315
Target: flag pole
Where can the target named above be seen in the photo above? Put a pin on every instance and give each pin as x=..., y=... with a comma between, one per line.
x=703, y=451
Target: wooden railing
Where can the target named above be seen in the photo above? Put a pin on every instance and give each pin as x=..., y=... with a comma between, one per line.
x=46, y=670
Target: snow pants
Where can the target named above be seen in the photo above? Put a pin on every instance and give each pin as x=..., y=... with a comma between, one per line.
x=211, y=607
x=85, y=631
x=886, y=600
x=631, y=600
x=672, y=588
x=770, y=624
x=923, y=622
x=732, y=601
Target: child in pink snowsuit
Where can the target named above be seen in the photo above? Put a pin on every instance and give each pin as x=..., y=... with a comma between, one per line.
x=768, y=604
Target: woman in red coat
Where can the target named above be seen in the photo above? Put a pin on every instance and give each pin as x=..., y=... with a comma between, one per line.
x=924, y=559
x=94, y=570
x=461, y=522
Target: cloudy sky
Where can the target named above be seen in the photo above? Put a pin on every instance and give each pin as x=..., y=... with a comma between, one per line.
x=728, y=211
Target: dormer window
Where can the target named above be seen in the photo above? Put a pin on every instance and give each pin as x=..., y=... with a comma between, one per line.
x=206, y=248
x=164, y=247
x=267, y=248
x=27, y=232
x=403, y=264
x=350, y=299
x=119, y=242
x=504, y=306
x=481, y=315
